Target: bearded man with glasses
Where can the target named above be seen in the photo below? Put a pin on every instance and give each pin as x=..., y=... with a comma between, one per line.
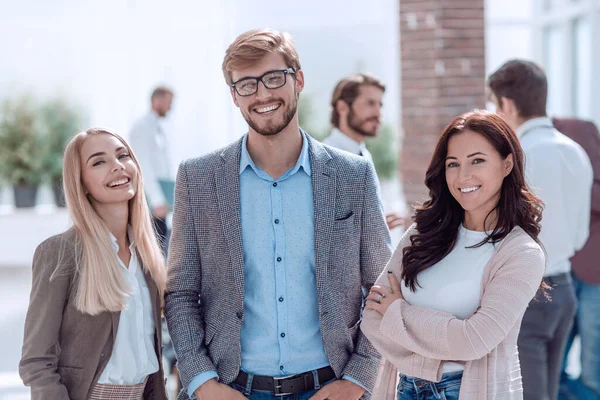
x=276, y=238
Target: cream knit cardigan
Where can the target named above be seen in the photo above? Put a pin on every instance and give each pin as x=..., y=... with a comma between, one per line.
x=416, y=341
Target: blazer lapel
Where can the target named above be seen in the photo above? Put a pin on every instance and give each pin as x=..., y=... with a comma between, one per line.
x=156, y=312
x=154, y=299
x=115, y=316
x=227, y=180
x=324, y=188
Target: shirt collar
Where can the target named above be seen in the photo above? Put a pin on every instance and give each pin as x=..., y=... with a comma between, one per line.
x=534, y=123
x=346, y=143
x=303, y=160
x=113, y=240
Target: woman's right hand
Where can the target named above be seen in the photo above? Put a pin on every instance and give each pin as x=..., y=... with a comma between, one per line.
x=381, y=297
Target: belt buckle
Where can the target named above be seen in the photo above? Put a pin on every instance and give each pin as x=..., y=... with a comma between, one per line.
x=277, y=386
x=421, y=384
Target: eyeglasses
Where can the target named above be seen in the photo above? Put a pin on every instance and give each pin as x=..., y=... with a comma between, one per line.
x=271, y=80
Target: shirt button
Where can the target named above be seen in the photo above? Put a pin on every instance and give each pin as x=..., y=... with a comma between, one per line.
x=281, y=299
x=278, y=259
x=282, y=334
x=275, y=185
x=281, y=367
x=239, y=314
x=276, y=221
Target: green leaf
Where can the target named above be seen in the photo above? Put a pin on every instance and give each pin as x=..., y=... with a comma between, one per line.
x=33, y=138
x=21, y=148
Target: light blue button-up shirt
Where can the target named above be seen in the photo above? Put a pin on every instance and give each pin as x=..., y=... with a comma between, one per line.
x=280, y=333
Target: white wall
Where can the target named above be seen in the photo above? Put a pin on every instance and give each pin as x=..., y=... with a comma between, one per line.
x=109, y=54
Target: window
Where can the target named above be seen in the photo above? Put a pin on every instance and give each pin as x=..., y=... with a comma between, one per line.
x=555, y=53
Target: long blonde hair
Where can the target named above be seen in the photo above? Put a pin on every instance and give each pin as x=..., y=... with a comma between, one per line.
x=102, y=286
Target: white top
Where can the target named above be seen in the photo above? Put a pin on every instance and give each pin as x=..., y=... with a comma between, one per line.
x=341, y=141
x=453, y=285
x=559, y=171
x=150, y=146
x=133, y=357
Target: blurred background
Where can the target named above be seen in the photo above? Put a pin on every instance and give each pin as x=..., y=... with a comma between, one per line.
x=67, y=65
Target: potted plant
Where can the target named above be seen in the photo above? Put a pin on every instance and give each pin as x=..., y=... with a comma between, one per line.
x=21, y=149
x=60, y=122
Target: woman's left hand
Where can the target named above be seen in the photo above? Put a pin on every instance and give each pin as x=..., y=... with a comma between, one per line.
x=380, y=297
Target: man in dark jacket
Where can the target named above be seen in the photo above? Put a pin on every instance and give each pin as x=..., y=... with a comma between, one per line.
x=586, y=275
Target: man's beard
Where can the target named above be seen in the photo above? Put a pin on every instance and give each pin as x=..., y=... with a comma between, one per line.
x=161, y=112
x=272, y=128
x=357, y=124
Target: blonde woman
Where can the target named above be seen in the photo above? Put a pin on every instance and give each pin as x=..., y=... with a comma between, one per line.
x=93, y=325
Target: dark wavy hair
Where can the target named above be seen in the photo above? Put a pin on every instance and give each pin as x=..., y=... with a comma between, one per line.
x=438, y=219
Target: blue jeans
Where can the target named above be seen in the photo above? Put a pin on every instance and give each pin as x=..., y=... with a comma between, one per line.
x=264, y=395
x=421, y=389
x=587, y=326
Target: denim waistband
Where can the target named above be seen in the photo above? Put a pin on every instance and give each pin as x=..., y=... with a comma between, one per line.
x=449, y=379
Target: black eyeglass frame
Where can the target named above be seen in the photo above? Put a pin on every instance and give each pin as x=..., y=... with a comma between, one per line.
x=260, y=79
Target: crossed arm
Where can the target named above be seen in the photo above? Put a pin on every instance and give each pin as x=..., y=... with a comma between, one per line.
x=418, y=340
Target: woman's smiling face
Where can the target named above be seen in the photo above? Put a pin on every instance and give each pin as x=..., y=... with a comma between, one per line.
x=475, y=172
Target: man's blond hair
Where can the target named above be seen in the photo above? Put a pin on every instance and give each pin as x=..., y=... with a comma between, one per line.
x=250, y=47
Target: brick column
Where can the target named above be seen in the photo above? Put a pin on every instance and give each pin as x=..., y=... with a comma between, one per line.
x=443, y=75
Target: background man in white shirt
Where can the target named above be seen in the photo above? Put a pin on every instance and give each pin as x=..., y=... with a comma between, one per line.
x=560, y=173
x=150, y=145
x=355, y=115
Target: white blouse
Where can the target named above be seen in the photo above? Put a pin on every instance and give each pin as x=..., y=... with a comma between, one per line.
x=134, y=356
x=453, y=285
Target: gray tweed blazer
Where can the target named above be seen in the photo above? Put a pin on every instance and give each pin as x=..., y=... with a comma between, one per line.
x=204, y=301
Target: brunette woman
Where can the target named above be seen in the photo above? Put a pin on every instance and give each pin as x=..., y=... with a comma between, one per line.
x=447, y=309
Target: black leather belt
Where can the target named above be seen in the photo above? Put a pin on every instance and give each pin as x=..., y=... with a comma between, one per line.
x=559, y=279
x=286, y=385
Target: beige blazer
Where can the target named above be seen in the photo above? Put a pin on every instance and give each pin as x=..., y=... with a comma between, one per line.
x=65, y=351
